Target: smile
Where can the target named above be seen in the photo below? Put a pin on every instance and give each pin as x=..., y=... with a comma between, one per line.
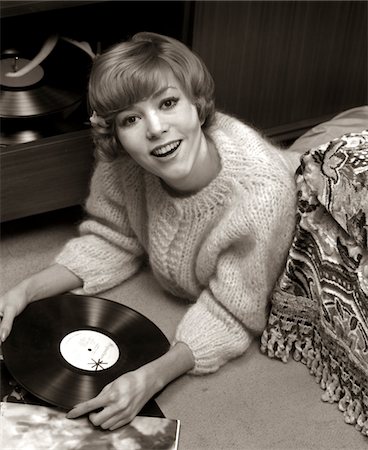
x=165, y=150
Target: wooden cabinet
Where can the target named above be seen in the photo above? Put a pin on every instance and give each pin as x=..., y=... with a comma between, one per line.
x=284, y=66
x=45, y=175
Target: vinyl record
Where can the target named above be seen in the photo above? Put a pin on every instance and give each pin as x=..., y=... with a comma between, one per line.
x=39, y=101
x=21, y=131
x=65, y=349
x=28, y=95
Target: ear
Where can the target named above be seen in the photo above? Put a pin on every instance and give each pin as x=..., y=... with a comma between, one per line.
x=200, y=105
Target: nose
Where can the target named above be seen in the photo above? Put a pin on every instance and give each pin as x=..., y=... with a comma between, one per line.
x=156, y=125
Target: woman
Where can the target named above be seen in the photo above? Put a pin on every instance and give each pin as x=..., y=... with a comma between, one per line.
x=202, y=195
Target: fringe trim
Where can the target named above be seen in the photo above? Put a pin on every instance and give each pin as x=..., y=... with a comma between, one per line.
x=286, y=336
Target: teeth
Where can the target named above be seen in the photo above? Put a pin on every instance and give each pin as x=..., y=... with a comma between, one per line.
x=166, y=149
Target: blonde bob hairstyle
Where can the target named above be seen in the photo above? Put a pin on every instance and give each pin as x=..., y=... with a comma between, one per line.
x=132, y=71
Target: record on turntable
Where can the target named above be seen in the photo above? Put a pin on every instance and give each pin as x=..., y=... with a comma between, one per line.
x=29, y=95
x=33, y=101
x=65, y=349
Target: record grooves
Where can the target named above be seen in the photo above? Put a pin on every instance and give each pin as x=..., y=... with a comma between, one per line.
x=65, y=349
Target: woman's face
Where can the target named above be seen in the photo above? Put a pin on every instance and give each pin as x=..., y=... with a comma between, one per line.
x=163, y=135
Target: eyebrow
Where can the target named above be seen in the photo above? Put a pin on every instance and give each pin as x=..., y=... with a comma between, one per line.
x=162, y=90
x=154, y=95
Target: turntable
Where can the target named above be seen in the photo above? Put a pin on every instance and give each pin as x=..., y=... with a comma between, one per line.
x=32, y=105
x=46, y=149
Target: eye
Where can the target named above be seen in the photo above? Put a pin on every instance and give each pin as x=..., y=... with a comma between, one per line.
x=169, y=103
x=129, y=121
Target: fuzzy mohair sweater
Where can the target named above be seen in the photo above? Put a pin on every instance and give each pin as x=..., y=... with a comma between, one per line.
x=222, y=248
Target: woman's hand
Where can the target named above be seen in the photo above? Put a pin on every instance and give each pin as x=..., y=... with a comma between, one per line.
x=12, y=303
x=120, y=401
x=53, y=280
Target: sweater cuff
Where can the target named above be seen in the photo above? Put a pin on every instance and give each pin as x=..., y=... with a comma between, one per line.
x=99, y=272
x=213, y=341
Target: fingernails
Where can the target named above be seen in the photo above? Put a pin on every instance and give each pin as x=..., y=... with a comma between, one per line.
x=72, y=414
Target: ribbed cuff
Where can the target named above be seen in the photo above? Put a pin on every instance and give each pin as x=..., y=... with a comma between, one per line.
x=98, y=272
x=213, y=339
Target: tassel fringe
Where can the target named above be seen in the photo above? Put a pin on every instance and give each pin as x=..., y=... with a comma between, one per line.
x=284, y=338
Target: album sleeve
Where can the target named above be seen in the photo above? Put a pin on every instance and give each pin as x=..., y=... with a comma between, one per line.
x=233, y=308
x=107, y=251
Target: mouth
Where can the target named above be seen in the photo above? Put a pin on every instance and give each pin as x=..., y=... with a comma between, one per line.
x=165, y=150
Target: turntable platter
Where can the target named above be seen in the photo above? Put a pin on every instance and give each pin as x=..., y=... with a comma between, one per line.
x=28, y=95
x=35, y=102
x=13, y=65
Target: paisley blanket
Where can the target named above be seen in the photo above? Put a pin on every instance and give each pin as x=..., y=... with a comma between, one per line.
x=319, y=309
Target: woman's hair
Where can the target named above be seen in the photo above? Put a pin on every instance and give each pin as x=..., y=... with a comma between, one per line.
x=132, y=71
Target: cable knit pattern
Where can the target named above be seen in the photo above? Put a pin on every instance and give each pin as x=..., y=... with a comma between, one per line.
x=222, y=248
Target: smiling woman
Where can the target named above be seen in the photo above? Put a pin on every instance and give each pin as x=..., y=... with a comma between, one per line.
x=136, y=70
x=203, y=196
x=163, y=135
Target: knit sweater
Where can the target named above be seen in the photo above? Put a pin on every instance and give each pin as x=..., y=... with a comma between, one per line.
x=222, y=248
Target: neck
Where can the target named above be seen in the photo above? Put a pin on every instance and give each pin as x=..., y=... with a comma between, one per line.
x=205, y=169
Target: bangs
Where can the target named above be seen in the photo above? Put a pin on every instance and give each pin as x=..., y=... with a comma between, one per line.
x=136, y=83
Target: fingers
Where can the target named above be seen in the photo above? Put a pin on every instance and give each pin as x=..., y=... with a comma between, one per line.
x=108, y=419
x=116, y=423
x=86, y=407
x=7, y=320
x=117, y=404
x=112, y=416
x=105, y=417
x=11, y=304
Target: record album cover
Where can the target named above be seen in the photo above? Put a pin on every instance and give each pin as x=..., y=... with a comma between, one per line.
x=35, y=427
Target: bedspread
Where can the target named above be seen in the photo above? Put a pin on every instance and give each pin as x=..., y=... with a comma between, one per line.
x=319, y=307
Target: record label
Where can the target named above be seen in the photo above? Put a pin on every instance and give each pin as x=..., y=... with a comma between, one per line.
x=10, y=66
x=89, y=350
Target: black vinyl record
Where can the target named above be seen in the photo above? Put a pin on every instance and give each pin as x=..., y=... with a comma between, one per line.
x=65, y=349
x=39, y=101
x=30, y=95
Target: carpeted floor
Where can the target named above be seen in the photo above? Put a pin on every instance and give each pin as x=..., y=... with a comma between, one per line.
x=252, y=403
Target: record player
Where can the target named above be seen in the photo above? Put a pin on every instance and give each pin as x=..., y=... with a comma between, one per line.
x=46, y=148
x=34, y=103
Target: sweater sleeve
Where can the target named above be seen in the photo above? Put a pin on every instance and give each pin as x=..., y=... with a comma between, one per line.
x=250, y=250
x=107, y=252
